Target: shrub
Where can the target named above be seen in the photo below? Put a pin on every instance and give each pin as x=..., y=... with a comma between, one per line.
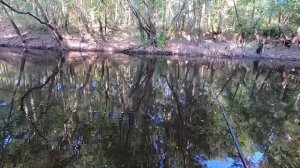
x=162, y=40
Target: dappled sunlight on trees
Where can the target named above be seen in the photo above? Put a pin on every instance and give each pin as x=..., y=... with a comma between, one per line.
x=157, y=22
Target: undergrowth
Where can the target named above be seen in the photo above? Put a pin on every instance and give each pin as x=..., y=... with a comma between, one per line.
x=162, y=40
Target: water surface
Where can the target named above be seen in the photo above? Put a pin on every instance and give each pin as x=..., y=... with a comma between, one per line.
x=106, y=110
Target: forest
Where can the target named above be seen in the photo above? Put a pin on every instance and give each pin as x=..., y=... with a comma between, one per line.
x=193, y=27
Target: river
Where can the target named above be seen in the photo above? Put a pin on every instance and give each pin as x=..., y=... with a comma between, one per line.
x=112, y=110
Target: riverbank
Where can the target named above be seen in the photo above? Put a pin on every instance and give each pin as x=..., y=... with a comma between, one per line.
x=122, y=41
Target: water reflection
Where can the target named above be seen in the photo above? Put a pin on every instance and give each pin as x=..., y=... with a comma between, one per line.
x=110, y=111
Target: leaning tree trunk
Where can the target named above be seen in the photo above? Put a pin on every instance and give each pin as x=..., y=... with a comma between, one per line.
x=50, y=26
x=142, y=32
x=144, y=24
x=178, y=16
x=14, y=25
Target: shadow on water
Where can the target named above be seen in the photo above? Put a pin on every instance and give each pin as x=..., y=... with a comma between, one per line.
x=104, y=110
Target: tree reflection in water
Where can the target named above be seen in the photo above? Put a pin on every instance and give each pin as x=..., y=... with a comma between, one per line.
x=129, y=112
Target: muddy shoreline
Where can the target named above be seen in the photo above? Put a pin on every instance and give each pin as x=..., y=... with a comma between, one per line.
x=46, y=55
x=152, y=51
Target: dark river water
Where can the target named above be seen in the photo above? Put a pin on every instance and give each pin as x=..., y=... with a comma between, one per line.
x=112, y=111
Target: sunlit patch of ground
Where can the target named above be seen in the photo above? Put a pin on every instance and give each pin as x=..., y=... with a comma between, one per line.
x=115, y=41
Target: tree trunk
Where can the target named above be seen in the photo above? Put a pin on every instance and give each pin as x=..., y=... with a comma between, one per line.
x=241, y=36
x=151, y=34
x=209, y=23
x=67, y=16
x=222, y=13
x=220, y=23
x=269, y=26
x=83, y=18
x=236, y=13
x=279, y=23
x=164, y=18
x=105, y=21
x=191, y=21
x=153, y=38
x=296, y=38
x=50, y=26
x=14, y=25
x=201, y=22
x=101, y=29
x=177, y=18
x=253, y=9
x=145, y=24
x=142, y=32
x=182, y=23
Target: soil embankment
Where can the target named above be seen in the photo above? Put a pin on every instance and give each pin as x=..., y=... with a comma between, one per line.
x=122, y=41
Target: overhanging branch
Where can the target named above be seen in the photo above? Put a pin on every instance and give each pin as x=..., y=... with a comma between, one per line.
x=53, y=28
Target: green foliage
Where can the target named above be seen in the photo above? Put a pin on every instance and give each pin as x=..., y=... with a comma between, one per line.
x=282, y=156
x=162, y=40
x=264, y=16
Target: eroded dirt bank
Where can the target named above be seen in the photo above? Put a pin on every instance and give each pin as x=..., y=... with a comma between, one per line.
x=123, y=42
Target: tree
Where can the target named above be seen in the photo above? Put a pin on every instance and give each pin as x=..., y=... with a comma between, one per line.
x=151, y=21
x=45, y=22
